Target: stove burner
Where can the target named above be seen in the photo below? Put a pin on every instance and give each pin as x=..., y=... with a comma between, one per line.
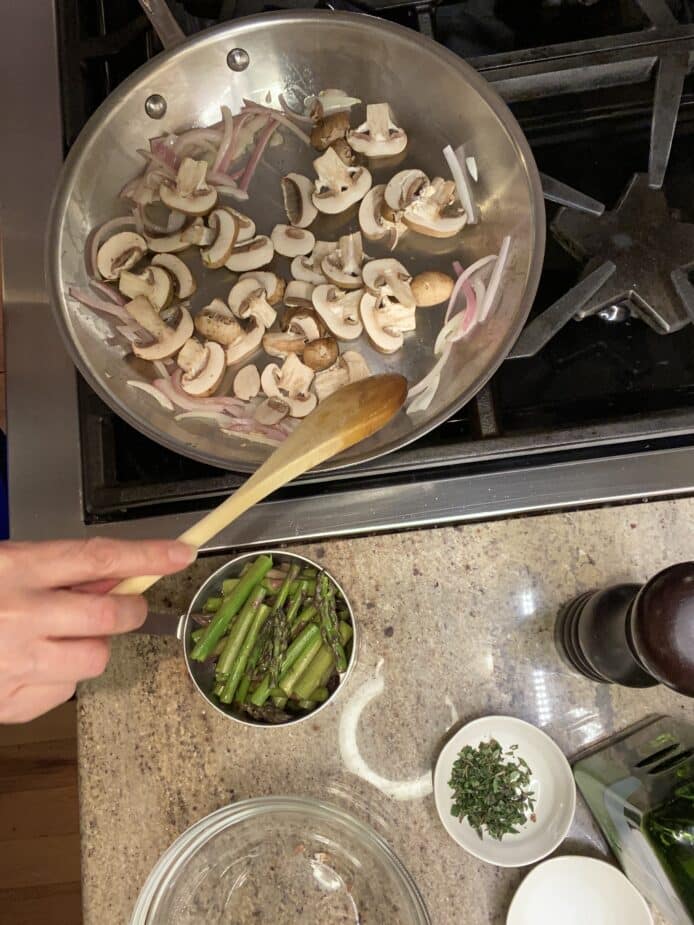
x=647, y=245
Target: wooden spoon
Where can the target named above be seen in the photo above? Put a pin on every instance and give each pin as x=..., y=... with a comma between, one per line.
x=343, y=419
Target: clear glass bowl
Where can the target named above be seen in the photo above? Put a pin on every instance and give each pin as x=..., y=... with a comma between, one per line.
x=280, y=860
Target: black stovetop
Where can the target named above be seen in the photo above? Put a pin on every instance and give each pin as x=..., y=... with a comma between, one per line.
x=591, y=374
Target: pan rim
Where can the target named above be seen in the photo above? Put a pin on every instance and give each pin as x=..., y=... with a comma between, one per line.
x=239, y=28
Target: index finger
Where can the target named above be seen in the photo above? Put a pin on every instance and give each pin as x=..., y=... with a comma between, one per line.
x=65, y=563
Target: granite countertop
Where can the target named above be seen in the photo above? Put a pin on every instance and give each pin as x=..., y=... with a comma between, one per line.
x=455, y=623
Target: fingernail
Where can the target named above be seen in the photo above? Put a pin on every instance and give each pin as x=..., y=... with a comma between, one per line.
x=182, y=554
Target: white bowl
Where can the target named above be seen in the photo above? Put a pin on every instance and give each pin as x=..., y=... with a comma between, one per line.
x=575, y=891
x=552, y=784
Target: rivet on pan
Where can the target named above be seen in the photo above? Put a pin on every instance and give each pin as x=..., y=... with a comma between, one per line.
x=238, y=59
x=155, y=106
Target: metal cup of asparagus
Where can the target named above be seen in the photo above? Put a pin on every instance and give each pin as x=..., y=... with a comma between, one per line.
x=270, y=637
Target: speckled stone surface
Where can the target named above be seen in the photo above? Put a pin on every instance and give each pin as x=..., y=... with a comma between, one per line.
x=462, y=620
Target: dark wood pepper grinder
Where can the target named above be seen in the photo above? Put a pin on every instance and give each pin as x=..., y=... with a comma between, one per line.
x=633, y=635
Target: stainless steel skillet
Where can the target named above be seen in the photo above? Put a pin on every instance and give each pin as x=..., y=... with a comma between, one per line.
x=436, y=97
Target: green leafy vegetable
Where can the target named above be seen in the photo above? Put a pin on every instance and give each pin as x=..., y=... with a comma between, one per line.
x=491, y=789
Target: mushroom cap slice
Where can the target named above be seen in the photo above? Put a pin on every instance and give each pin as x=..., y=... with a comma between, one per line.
x=169, y=339
x=295, y=377
x=321, y=353
x=282, y=343
x=246, y=345
x=219, y=326
x=437, y=226
x=204, y=366
x=338, y=186
x=339, y=310
x=154, y=283
x=307, y=269
x=168, y=243
x=298, y=295
x=296, y=193
x=304, y=321
x=330, y=380
x=226, y=226
x=431, y=288
x=388, y=277
x=329, y=101
x=344, y=152
x=189, y=193
x=379, y=136
x=292, y=242
x=273, y=284
x=429, y=214
x=302, y=405
x=394, y=317
x=343, y=266
x=330, y=129
x=245, y=225
x=269, y=380
x=184, y=281
x=248, y=299
x=402, y=189
x=198, y=233
x=251, y=255
x=120, y=252
x=246, y=383
x=356, y=365
x=374, y=225
x=271, y=411
x=384, y=341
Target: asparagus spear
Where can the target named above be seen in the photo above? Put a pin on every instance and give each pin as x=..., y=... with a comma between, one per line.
x=238, y=633
x=231, y=606
x=329, y=624
x=280, y=624
x=228, y=585
x=290, y=677
x=306, y=638
x=242, y=658
x=323, y=662
x=212, y=605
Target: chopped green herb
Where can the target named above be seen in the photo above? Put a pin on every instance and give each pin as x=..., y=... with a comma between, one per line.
x=491, y=789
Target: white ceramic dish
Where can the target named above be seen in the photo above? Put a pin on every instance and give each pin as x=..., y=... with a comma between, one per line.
x=577, y=891
x=552, y=784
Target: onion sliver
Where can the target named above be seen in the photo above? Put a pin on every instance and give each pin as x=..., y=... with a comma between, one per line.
x=466, y=274
x=456, y=162
x=493, y=289
x=152, y=390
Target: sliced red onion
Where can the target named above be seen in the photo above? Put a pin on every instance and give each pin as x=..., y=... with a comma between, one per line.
x=97, y=239
x=90, y=300
x=493, y=289
x=138, y=218
x=199, y=415
x=232, y=191
x=291, y=113
x=202, y=137
x=466, y=274
x=171, y=387
x=278, y=117
x=163, y=151
x=262, y=143
x=471, y=165
x=153, y=391
x=226, y=147
x=458, y=167
x=134, y=334
x=421, y=394
x=109, y=291
x=161, y=367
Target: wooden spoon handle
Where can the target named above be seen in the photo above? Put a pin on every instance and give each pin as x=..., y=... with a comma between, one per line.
x=343, y=419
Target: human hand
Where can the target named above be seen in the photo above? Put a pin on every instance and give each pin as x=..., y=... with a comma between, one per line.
x=56, y=616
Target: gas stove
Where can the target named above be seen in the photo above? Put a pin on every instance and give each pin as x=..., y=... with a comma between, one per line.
x=584, y=412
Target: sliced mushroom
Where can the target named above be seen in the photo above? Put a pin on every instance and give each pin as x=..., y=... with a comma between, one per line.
x=393, y=316
x=273, y=284
x=219, y=326
x=282, y=343
x=184, y=281
x=379, y=136
x=203, y=366
x=292, y=242
x=389, y=277
x=328, y=102
x=298, y=294
x=189, y=193
x=339, y=310
x=271, y=411
x=246, y=383
x=402, y=189
x=246, y=345
x=120, y=252
x=386, y=339
x=435, y=211
x=343, y=266
x=168, y=243
x=245, y=226
x=290, y=383
x=374, y=225
x=338, y=186
x=218, y=307
x=321, y=353
x=329, y=130
x=248, y=299
x=295, y=377
x=356, y=364
x=199, y=234
x=344, y=152
x=154, y=283
x=226, y=227
x=169, y=332
x=307, y=269
x=251, y=255
x=304, y=320
x=296, y=193
x=431, y=288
